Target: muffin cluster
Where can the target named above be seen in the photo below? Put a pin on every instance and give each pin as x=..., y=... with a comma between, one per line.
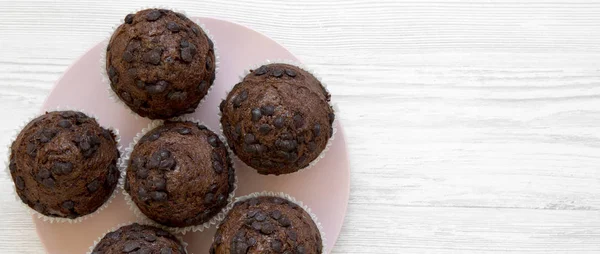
x=179, y=175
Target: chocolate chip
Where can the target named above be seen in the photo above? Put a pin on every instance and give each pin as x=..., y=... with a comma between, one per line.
x=249, y=138
x=126, y=187
x=19, y=183
x=251, y=213
x=64, y=123
x=286, y=145
x=267, y=110
x=126, y=96
x=187, y=53
x=278, y=201
x=264, y=128
x=62, y=168
x=237, y=131
x=113, y=175
x=213, y=187
x=251, y=241
x=302, y=159
x=143, y=250
x=298, y=121
x=129, y=18
x=277, y=73
x=168, y=163
x=256, y=114
x=276, y=245
x=153, y=56
x=260, y=216
x=212, y=140
x=279, y=122
x=184, y=43
x=142, y=173
x=292, y=235
x=220, y=199
x=112, y=74
x=173, y=27
x=12, y=166
x=160, y=184
x=39, y=207
x=312, y=146
x=150, y=238
x=331, y=118
x=158, y=87
x=184, y=131
x=43, y=173
x=131, y=246
x=114, y=235
x=154, y=136
x=46, y=135
x=203, y=85
x=290, y=73
x=93, y=186
x=195, y=30
x=107, y=134
x=202, y=127
x=276, y=214
x=284, y=222
x=215, y=155
x=254, y=202
x=177, y=95
x=217, y=167
x=153, y=15
x=261, y=71
x=162, y=233
x=158, y=196
x=68, y=205
x=140, y=84
x=128, y=56
x=267, y=228
x=166, y=250
x=317, y=129
x=208, y=63
x=31, y=149
x=208, y=198
x=256, y=225
x=300, y=249
x=181, y=16
x=48, y=182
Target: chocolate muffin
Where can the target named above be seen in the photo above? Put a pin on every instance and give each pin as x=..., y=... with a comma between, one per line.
x=267, y=225
x=180, y=174
x=63, y=164
x=136, y=238
x=278, y=119
x=160, y=63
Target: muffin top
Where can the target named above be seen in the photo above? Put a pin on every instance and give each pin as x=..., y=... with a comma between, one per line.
x=160, y=63
x=267, y=225
x=136, y=238
x=278, y=119
x=63, y=164
x=180, y=174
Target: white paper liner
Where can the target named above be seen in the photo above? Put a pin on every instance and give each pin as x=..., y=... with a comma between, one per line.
x=138, y=213
x=293, y=200
x=39, y=215
x=333, y=106
x=105, y=80
x=115, y=228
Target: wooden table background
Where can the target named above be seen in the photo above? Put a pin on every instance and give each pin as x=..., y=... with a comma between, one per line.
x=473, y=126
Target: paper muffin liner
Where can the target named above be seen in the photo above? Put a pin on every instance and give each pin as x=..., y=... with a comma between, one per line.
x=133, y=206
x=293, y=200
x=39, y=215
x=115, y=228
x=106, y=81
x=333, y=106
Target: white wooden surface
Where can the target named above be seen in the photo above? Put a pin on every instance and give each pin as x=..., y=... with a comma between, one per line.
x=473, y=126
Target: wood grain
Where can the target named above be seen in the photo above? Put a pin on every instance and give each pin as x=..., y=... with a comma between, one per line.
x=473, y=126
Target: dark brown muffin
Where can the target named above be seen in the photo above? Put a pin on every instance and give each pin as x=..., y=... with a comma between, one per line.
x=136, y=238
x=278, y=119
x=160, y=63
x=180, y=174
x=64, y=164
x=267, y=225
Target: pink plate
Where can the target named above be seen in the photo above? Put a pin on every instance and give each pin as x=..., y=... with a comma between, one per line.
x=324, y=188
